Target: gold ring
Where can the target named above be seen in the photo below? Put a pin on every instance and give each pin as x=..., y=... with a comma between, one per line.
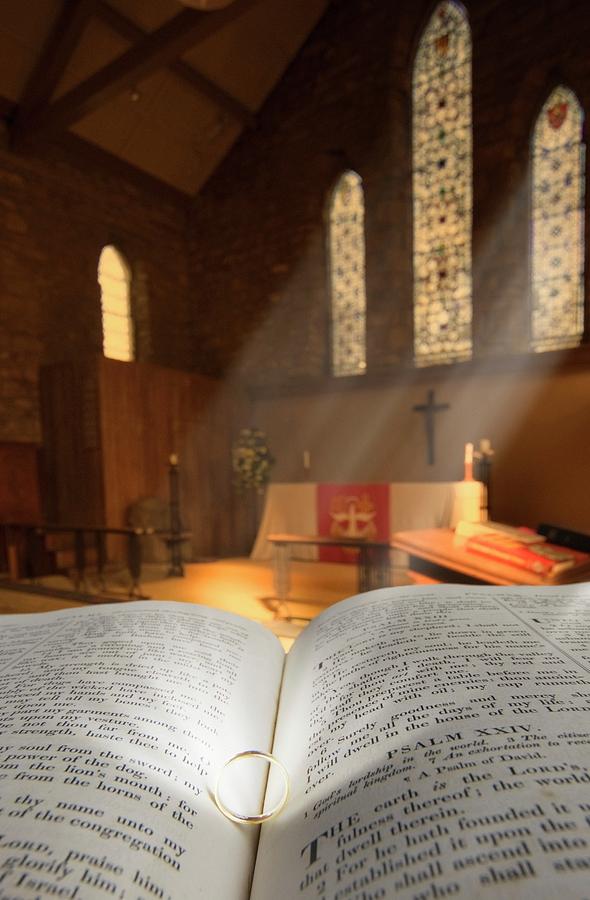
x=261, y=817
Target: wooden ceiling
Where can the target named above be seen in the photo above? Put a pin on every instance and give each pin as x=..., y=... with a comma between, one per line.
x=163, y=87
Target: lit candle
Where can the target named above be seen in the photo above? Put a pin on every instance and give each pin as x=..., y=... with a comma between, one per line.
x=306, y=459
x=468, y=462
x=173, y=459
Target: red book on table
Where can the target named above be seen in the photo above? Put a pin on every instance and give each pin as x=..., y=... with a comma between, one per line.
x=542, y=558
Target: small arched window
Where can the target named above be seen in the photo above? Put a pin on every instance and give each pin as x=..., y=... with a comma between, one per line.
x=347, y=275
x=442, y=188
x=557, y=234
x=117, y=324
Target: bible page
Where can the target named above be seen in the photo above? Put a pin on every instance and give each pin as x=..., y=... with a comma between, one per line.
x=113, y=723
x=438, y=742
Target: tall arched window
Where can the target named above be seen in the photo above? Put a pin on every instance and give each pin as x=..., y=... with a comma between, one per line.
x=117, y=325
x=347, y=275
x=557, y=315
x=442, y=190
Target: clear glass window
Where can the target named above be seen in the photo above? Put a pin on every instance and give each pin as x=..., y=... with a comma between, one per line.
x=117, y=324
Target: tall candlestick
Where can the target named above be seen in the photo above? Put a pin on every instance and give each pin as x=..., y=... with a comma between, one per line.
x=175, y=539
x=484, y=472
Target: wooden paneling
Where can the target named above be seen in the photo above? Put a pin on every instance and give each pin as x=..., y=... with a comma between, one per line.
x=19, y=482
x=146, y=414
x=73, y=491
x=109, y=430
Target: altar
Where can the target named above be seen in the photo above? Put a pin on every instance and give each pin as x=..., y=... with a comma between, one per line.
x=296, y=509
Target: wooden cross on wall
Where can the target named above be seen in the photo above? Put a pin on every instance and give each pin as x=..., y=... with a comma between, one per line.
x=429, y=409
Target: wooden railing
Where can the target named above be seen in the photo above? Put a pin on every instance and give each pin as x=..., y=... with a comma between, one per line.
x=26, y=555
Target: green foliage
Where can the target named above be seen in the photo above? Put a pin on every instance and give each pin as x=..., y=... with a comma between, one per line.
x=251, y=460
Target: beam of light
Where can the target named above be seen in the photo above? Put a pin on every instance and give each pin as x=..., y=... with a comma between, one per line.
x=367, y=433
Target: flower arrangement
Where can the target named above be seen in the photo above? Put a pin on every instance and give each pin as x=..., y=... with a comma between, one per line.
x=251, y=460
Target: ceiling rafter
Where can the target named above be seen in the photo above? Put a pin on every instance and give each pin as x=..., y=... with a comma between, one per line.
x=155, y=51
x=56, y=54
x=127, y=29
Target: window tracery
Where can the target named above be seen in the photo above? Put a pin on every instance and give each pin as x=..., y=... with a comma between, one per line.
x=442, y=189
x=558, y=191
x=347, y=276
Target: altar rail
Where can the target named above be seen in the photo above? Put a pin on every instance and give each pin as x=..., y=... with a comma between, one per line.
x=26, y=554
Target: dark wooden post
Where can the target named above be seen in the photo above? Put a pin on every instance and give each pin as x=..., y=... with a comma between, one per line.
x=13, y=548
x=80, y=557
x=134, y=561
x=100, y=544
x=175, y=540
x=374, y=566
x=34, y=552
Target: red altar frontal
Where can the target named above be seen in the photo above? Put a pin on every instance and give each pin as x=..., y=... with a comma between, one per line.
x=351, y=511
x=370, y=511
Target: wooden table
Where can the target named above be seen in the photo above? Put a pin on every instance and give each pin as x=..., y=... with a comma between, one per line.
x=436, y=553
x=373, y=564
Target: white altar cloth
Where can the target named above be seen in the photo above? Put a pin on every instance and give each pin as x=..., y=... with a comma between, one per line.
x=291, y=508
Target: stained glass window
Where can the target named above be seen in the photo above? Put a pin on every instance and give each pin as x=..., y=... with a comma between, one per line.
x=117, y=325
x=442, y=192
x=558, y=224
x=347, y=275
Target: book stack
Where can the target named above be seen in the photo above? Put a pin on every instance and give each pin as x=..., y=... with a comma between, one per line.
x=520, y=547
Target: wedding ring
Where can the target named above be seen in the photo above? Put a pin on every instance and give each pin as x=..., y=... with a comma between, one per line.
x=263, y=816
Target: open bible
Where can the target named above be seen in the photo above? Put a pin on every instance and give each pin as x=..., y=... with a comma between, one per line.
x=436, y=739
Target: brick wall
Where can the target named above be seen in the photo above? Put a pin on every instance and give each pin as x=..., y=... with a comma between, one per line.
x=56, y=213
x=258, y=262
x=258, y=229
x=240, y=287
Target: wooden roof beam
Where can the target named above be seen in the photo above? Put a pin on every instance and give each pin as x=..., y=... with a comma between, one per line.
x=55, y=56
x=131, y=32
x=155, y=51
